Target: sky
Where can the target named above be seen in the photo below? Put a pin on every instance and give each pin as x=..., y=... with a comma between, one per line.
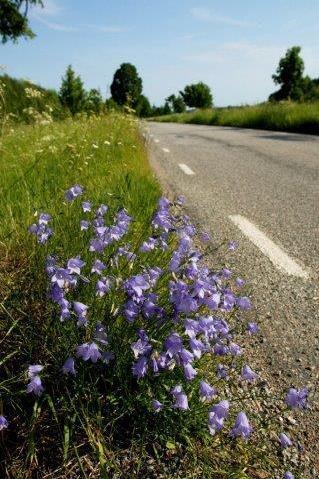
x=232, y=45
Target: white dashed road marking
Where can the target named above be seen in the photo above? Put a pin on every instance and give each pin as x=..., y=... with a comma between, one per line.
x=166, y=150
x=156, y=140
x=277, y=255
x=187, y=170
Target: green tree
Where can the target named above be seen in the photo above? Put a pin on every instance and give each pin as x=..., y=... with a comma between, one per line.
x=197, y=95
x=127, y=86
x=14, y=19
x=143, y=107
x=289, y=75
x=176, y=103
x=72, y=94
x=94, y=101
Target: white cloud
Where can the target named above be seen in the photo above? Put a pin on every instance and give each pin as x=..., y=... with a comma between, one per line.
x=206, y=15
x=107, y=28
x=59, y=27
x=50, y=9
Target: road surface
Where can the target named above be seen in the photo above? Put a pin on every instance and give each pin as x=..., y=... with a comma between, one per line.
x=260, y=189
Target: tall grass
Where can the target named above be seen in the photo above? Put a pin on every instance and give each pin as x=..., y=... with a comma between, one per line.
x=100, y=423
x=288, y=116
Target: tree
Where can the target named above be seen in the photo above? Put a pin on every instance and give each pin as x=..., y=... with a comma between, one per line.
x=94, y=101
x=143, y=107
x=127, y=86
x=72, y=94
x=176, y=103
x=289, y=75
x=13, y=19
x=197, y=95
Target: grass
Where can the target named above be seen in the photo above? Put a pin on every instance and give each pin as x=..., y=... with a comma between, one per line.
x=98, y=425
x=288, y=116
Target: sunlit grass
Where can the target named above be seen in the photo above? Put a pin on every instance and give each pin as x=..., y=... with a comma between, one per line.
x=288, y=116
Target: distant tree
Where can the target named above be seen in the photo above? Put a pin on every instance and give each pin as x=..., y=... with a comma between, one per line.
x=127, y=86
x=110, y=104
x=13, y=19
x=176, y=103
x=289, y=75
x=72, y=94
x=143, y=107
x=197, y=95
x=94, y=101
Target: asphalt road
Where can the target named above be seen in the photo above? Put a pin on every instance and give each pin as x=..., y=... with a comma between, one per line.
x=271, y=180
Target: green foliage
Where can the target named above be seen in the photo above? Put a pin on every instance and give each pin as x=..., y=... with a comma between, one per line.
x=197, y=95
x=21, y=95
x=176, y=103
x=127, y=86
x=72, y=93
x=13, y=19
x=94, y=101
x=143, y=107
x=284, y=116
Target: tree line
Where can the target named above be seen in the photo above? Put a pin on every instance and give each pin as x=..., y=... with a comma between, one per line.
x=127, y=85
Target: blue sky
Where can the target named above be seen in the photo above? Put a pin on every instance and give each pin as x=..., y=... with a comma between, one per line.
x=232, y=45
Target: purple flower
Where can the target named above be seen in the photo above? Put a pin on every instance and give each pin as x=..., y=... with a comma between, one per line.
x=98, y=267
x=103, y=286
x=148, y=245
x=297, y=398
x=41, y=231
x=284, y=440
x=139, y=368
x=176, y=390
x=157, y=406
x=35, y=386
x=62, y=277
x=206, y=391
x=205, y=237
x=243, y=303
x=75, y=265
x=131, y=310
x=102, y=210
x=73, y=192
x=68, y=367
x=216, y=416
x=252, y=328
x=84, y=225
x=80, y=308
x=197, y=347
x=34, y=370
x=3, y=423
x=215, y=423
x=189, y=372
x=235, y=349
x=173, y=344
x=240, y=282
x=88, y=351
x=181, y=401
x=141, y=347
x=226, y=273
x=44, y=218
x=86, y=206
x=136, y=285
x=248, y=374
x=232, y=245
x=242, y=427
x=289, y=475
x=221, y=409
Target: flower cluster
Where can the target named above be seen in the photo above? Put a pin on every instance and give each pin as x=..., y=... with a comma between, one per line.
x=41, y=229
x=175, y=315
